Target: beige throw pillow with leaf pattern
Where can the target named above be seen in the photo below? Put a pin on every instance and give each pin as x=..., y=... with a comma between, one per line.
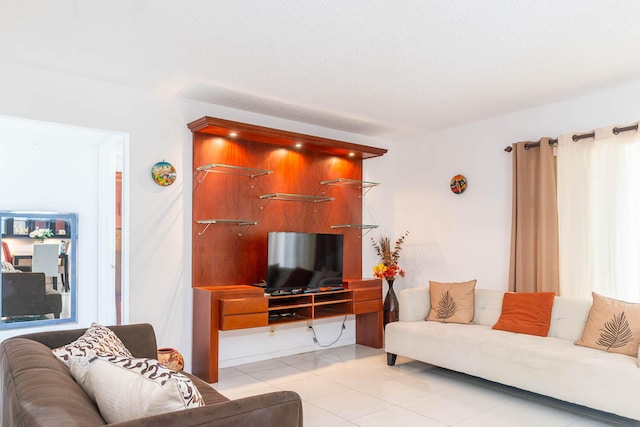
x=612, y=326
x=452, y=302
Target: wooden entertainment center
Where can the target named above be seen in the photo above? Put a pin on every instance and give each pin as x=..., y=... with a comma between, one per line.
x=263, y=180
x=225, y=308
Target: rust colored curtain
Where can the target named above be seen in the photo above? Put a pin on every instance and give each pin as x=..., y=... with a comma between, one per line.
x=534, y=227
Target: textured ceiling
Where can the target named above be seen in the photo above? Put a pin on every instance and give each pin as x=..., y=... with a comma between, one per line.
x=376, y=67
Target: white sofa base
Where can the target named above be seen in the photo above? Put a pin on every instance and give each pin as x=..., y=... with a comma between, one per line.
x=552, y=366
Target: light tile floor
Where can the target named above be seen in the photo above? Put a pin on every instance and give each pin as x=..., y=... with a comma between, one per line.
x=353, y=386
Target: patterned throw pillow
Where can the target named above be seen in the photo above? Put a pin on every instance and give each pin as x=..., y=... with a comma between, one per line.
x=126, y=388
x=96, y=340
x=8, y=268
x=452, y=302
x=612, y=326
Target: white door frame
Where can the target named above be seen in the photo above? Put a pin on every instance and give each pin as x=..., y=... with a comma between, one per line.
x=113, y=157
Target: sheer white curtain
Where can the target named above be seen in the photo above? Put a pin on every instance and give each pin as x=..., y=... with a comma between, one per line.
x=599, y=215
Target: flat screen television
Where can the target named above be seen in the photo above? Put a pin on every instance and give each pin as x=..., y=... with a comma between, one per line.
x=303, y=260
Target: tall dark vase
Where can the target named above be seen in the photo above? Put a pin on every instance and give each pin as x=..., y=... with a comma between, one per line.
x=390, y=306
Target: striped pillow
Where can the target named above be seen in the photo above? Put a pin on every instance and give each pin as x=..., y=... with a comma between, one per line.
x=96, y=340
x=126, y=388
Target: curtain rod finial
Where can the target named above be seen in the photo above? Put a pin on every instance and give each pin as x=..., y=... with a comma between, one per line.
x=508, y=149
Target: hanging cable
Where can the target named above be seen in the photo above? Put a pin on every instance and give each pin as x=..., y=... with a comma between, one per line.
x=342, y=328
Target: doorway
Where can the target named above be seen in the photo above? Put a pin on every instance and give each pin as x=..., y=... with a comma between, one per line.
x=87, y=159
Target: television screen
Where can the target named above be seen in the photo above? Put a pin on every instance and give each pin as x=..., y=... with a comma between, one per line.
x=304, y=260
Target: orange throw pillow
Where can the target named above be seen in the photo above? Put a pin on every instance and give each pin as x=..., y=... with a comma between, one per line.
x=526, y=313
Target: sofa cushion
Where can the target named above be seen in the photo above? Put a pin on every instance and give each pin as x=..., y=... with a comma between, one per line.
x=451, y=302
x=568, y=317
x=526, y=313
x=612, y=326
x=96, y=340
x=126, y=388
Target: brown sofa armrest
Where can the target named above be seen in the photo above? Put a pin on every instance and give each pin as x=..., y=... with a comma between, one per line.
x=277, y=409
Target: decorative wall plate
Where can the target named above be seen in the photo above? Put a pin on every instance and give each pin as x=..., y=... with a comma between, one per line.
x=458, y=184
x=163, y=173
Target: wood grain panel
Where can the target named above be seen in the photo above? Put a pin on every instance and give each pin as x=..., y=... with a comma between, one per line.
x=206, y=316
x=366, y=294
x=243, y=321
x=243, y=306
x=362, y=283
x=367, y=306
x=232, y=254
x=369, y=329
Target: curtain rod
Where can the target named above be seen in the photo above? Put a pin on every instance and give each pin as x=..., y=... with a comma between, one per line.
x=577, y=137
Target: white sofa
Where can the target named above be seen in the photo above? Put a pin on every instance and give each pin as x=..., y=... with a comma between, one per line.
x=552, y=365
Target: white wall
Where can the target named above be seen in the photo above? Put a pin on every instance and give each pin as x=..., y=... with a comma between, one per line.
x=160, y=242
x=452, y=237
x=461, y=237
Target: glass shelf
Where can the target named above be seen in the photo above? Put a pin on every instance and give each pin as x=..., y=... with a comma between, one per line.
x=233, y=170
x=296, y=197
x=208, y=223
x=227, y=221
x=358, y=226
x=367, y=227
x=346, y=182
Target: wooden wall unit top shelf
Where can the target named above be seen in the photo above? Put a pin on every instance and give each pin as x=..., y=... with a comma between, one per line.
x=249, y=132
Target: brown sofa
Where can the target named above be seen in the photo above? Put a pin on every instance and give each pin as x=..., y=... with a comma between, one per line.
x=38, y=390
x=26, y=294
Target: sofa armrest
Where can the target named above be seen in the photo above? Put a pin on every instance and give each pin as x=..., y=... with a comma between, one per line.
x=414, y=304
x=277, y=409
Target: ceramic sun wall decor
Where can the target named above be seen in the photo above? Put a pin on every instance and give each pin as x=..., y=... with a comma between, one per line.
x=458, y=184
x=163, y=173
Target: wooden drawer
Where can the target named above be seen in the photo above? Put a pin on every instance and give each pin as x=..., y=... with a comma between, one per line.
x=242, y=321
x=362, y=283
x=366, y=294
x=367, y=306
x=243, y=313
x=243, y=306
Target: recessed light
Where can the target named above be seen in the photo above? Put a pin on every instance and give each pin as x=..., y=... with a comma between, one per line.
x=352, y=154
x=233, y=134
x=298, y=145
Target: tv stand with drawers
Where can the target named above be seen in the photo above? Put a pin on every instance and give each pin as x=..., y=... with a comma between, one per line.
x=224, y=308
